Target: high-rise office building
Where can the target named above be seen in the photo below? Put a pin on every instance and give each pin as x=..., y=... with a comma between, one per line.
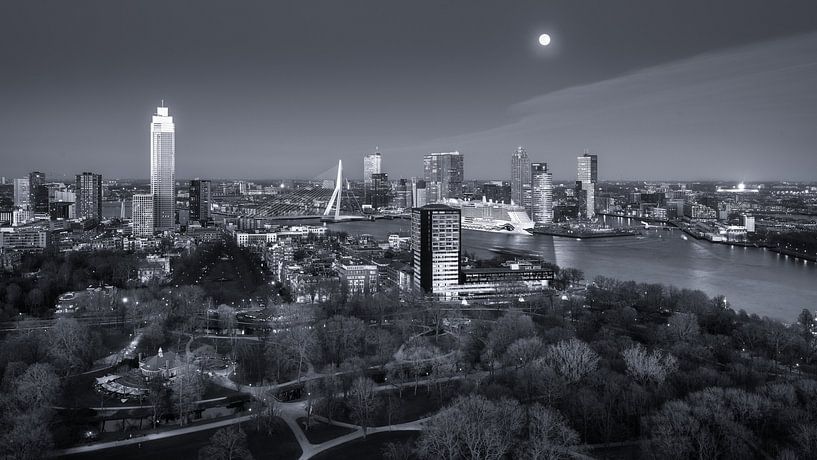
x=7, y=197
x=588, y=168
x=444, y=172
x=520, y=177
x=541, y=194
x=22, y=196
x=419, y=194
x=380, y=191
x=403, y=195
x=371, y=165
x=89, y=196
x=163, y=169
x=142, y=215
x=37, y=192
x=587, y=175
x=435, y=235
x=199, y=200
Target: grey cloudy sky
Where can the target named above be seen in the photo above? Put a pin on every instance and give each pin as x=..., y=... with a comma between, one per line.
x=660, y=89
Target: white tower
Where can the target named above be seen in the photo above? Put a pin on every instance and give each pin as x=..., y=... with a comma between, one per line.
x=336, y=194
x=163, y=169
x=371, y=165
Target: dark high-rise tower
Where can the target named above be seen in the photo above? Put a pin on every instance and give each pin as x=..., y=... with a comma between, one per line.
x=435, y=239
x=443, y=175
x=89, y=196
x=200, y=200
x=38, y=192
x=380, y=192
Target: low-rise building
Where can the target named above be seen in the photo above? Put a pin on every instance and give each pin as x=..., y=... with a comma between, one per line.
x=161, y=365
x=358, y=277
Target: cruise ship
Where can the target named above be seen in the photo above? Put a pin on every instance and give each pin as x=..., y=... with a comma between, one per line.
x=488, y=216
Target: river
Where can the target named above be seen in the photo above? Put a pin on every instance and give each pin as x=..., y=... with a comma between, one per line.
x=758, y=281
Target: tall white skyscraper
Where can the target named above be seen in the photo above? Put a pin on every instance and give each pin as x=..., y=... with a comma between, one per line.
x=520, y=177
x=371, y=165
x=541, y=194
x=142, y=215
x=21, y=193
x=587, y=175
x=163, y=169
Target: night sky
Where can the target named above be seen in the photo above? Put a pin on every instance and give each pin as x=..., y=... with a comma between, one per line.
x=659, y=89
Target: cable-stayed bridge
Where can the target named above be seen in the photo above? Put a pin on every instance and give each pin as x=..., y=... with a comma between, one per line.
x=314, y=200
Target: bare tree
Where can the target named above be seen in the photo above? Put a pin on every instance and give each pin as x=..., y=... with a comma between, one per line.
x=523, y=351
x=684, y=326
x=472, y=427
x=69, y=346
x=648, y=367
x=159, y=399
x=416, y=355
x=299, y=339
x=511, y=327
x=37, y=387
x=266, y=411
x=227, y=444
x=549, y=435
x=572, y=359
x=188, y=388
x=363, y=401
x=398, y=451
x=396, y=376
x=441, y=438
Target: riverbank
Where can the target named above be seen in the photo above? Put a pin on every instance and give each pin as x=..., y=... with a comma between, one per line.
x=702, y=237
x=584, y=234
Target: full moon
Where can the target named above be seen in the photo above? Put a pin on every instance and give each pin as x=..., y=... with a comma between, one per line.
x=544, y=39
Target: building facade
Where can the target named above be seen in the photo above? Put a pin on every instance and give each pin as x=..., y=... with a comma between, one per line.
x=541, y=194
x=143, y=214
x=199, y=201
x=358, y=278
x=379, y=191
x=89, y=196
x=371, y=165
x=403, y=196
x=435, y=235
x=443, y=172
x=587, y=176
x=520, y=176
x=37, y=192
x=419, y=194
x=163, y=169
x=22, y=195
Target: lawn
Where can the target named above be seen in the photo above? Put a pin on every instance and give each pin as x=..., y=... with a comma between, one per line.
x=321, y=432
x=280, y=445
x=410, y=407
x=369, y=449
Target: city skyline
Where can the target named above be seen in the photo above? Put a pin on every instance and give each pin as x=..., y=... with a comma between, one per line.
x=566, y=228
x=598, y=85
